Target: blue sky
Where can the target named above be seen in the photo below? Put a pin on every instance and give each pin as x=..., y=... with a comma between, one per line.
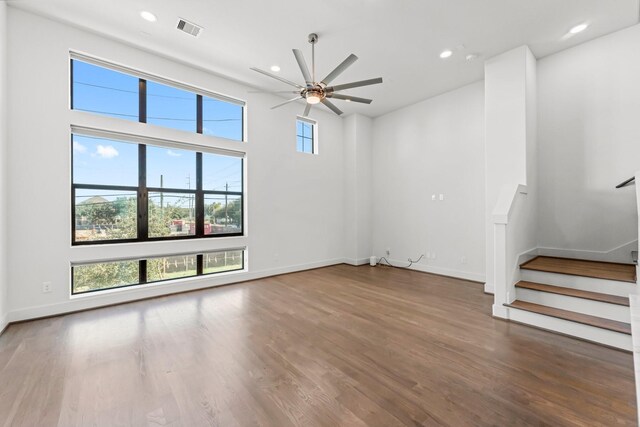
x=115, y=94
x=110, y=162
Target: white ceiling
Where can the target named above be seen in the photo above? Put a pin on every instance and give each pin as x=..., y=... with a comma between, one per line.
x=399, y=40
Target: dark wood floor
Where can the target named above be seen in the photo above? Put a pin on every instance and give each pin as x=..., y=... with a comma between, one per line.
x=342, y=345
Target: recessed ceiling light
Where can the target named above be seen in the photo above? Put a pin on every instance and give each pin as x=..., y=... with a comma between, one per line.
x=445, y=54
x=275, y=68
x=578, y=28
x=148, y=16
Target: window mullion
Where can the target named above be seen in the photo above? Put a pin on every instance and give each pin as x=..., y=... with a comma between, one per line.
x=143, y=194
x=142, y=101
x=199, y=119
x=199, y=197
x=142, y=271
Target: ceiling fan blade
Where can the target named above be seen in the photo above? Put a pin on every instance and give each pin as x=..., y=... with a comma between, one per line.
x=330, y=106
x=339, y=69
x=286, y=102
x=278, y=78
x=273, y=91
x=303, y=67
x=307, y=110
x=355, y=84
x=349, y=98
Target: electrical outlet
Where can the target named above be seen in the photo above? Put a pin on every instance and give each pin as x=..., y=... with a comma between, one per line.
x=433, y=197
x=46, y=287
x=434, y=256
x=463, y=260
x=441, y=197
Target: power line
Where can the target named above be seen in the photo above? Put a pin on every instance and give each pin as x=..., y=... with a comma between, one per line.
x=133, y=91
x=155, y=118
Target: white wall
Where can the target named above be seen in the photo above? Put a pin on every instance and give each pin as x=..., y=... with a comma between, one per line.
x=433, y=147
x=358, y=146
x=589, y=141
x=3, y=164
x=295, y=215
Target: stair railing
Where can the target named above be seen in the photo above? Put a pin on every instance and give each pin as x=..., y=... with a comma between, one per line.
x=626, y=182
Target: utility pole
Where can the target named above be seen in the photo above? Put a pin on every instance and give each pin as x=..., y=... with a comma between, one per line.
x=161, y=195
x=226, y=213
x=189, y=187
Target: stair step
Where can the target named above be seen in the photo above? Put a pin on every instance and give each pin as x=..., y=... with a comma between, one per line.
x=577, y=267
x=594, y=296
x=585, y=319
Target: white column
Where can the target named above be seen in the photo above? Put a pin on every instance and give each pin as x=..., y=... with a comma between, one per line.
x=510, y=136
x=357, y=139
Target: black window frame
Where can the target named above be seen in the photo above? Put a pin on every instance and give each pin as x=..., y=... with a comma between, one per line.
x=142, y=225
x=142, y=269
x=142, y=96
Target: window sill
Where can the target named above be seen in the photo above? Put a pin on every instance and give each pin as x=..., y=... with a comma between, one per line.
x=158, y=285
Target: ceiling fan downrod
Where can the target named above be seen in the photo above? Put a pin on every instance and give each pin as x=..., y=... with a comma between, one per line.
x=313, y=39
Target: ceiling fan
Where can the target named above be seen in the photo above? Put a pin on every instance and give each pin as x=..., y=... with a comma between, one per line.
x=314, y=92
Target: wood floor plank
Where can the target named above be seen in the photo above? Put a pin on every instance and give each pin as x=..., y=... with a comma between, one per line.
x=577, y=267
x=578, y=293
x=598, y=322
x=337, y=346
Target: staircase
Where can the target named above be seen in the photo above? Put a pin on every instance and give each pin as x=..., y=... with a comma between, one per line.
x=585, y=299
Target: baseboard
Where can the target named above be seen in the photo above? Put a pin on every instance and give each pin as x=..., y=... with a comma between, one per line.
x=458, y=274
x=620, y=253
x=356, y=261
x=4, y=322
x=126, y=295
x=527, y=255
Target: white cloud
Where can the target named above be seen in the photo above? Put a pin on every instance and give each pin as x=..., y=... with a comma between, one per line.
x=106, y=152
x=173, y=153
x=79, y=148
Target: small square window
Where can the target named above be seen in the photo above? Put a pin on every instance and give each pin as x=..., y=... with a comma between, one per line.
x=306, y=136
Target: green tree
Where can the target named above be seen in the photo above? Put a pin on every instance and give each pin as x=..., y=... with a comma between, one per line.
x=105, y=275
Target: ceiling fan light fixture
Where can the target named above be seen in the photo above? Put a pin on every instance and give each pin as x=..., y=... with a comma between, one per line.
x=313, y=98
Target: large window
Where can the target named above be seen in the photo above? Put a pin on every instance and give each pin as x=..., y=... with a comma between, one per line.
x=115, y=91
x=306, y=136
x=128, y=192
x=131, y=272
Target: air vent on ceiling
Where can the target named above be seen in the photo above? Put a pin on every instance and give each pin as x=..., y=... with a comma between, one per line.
x=189, y=27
